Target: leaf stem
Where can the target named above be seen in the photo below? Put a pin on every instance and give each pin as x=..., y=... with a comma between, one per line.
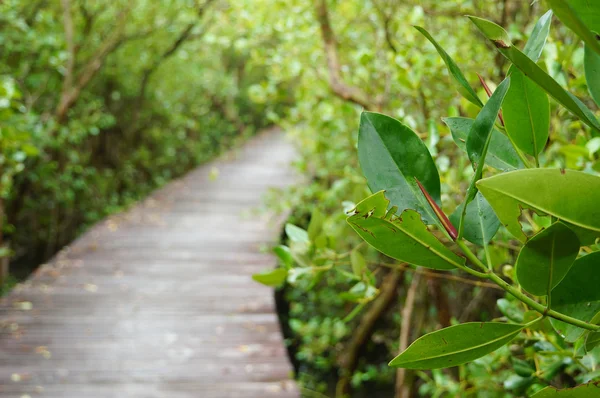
x=471, y=256
x=524, y=158
x=539, y=307
x=545, y=311
x=488, y=257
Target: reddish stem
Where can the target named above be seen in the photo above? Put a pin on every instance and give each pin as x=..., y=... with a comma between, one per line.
x=489, y=93
x=438, y=212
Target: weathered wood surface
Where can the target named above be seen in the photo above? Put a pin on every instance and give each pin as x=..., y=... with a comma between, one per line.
x=158, y=301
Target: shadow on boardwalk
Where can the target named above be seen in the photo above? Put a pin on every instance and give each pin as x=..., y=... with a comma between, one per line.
x=158, y=301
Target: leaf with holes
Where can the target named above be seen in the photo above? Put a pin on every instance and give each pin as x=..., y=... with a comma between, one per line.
x=546, y=258
x=589, y=390
x=501, y=153
x=500, y=38
x=577, y=295
x=391, y=156
x=456, y=345
x=570, y=196
x=404, y=238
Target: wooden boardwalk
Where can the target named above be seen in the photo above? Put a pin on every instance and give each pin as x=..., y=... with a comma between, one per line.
x=158, y=301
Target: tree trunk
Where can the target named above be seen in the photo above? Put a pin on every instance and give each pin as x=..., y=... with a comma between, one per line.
x=3, y=259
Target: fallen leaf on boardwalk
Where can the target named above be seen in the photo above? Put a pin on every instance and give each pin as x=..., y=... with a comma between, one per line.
x=90, y=287
x=214, y=174
x=23, y=305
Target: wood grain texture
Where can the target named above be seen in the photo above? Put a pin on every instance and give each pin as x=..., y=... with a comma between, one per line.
x=158, y=301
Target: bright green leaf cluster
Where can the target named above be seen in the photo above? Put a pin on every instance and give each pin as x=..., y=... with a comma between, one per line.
x=512, y=125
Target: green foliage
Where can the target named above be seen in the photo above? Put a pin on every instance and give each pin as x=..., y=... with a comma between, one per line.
x=387, y=145
x=456, y=345
x=15, y=140
x=586, y=391
x=592, y=73
x=546, y=258
x=578, y=296
x=521, y=61
x=334, y=278
x=464, y=88
x=547, y=264
x=582, y=17
x=501, y=153
x=480, y=221
x=402, y=237
x=526, y=114
x=547, y=191
x=138, y=94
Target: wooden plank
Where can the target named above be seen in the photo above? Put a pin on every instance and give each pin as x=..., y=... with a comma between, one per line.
x=158, y=301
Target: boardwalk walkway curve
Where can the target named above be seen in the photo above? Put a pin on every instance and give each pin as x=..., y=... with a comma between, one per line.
x=158, y=302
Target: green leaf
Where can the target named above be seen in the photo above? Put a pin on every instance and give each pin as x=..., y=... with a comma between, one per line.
x=360, y=293
x=589, y=390
x=275, y=277
x=404, y=238
x=480, y=222
x=499, y=37
x=516, y=382
x=478, y=141
x=539, y=35
x=479, y=135
x=5, y=252
x=592, y=341
x=316, y=224
x=582, y=17
x=592, y=73
x=296, y=234
x=571, y=196
x=546, y=258
x=522, y=368
x=285, y=256
x=456, y=345
x=501, y=153
x=462, y=85
x=526, y=113
x=391, y=156
x=578, y=295
x=358, y=262
x=511, y=309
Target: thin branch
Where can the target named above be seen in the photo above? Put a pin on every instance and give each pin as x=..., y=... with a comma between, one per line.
x=455, y=278
x=70, y=42
x=363, y=331
x=336, y=83
x=71, y=89
x=402, y=390
x=4, y=259
x=386, y=18
x=184, y=36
